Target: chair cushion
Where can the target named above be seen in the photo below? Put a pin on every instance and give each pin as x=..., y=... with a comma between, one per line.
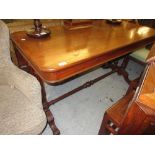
x=17, y=114
x=140, y=54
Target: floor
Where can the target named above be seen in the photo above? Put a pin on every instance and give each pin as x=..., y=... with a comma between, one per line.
x=81, y=113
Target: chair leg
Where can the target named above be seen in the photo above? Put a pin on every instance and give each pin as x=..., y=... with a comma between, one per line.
x=150, y=130
x=51, y=122
x=133, y=85
x=103, y=130
x=49, y=115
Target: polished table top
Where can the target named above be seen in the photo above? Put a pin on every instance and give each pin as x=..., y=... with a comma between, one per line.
x=69, y=52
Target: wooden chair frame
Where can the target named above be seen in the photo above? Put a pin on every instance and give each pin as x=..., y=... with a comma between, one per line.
x=138, y=116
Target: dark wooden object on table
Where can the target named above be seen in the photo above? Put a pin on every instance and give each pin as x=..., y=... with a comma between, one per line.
x=66, y=54
x=135, y=112
x=38, y=31
x=72, y=24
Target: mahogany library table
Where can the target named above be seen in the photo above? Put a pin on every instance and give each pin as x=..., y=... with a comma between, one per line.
x=67, y=53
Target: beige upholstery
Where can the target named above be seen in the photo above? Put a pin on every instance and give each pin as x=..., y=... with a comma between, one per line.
x=21, y=110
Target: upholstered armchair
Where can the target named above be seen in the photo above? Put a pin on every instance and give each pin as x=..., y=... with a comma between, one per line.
x=21, y=110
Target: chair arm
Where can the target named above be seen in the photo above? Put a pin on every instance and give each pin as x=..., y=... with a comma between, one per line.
x=151, y=55
x=26, y=83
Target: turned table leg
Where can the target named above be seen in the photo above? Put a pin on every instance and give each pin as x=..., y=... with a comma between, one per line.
x=22, y=63
x=49, y=115
x=120, y=69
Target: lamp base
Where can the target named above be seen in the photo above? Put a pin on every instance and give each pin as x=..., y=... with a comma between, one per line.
x=43, y=33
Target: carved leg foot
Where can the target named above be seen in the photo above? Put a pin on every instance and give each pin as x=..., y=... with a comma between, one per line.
x=50, y=120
